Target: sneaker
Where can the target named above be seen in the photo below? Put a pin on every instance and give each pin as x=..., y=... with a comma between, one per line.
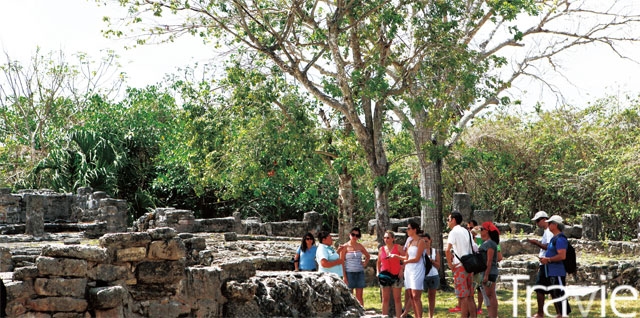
x=479, y=311
x=455, y=309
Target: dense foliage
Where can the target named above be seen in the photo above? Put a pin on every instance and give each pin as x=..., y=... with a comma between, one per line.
x=251, y=143
x=569, y=162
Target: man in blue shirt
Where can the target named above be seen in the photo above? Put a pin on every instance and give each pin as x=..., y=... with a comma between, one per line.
x=554, y=266
x=329, y=259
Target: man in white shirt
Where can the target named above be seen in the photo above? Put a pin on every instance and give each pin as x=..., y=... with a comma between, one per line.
x=459, y=243
x=540, y=219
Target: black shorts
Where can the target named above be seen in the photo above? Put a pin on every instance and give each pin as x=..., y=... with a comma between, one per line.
x=542, y=280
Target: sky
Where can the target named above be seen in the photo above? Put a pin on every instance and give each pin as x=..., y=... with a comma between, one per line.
x=75, y=25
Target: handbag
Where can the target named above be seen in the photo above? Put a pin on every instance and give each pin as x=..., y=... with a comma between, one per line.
x=387, y=279
x=473, y=262
x=427, y=263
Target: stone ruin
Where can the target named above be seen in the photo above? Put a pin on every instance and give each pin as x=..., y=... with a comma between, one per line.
x=168, y=264
x=171, y=264
x=37, y=212
x=149, y=274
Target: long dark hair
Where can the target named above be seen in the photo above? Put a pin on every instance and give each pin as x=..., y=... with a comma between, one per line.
x=303, y=244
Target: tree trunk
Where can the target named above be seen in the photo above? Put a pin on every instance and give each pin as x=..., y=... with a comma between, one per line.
x=382, y=211
x=431, y=207
x=430, y=190
x=345, y=206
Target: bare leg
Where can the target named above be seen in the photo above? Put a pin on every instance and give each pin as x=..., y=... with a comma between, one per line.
x=416, y=295
x=386, y=295
x=397, y=297
x=359, y=296
x=432, y=302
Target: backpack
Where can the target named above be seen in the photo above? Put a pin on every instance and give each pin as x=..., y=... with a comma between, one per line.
x=570, y=263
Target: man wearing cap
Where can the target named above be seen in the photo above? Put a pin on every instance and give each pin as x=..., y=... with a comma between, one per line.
x=540, y=220
x=554, y=267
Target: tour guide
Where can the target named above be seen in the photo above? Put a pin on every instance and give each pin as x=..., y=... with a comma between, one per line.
x=554, y=267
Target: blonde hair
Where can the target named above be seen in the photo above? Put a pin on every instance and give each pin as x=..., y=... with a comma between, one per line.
x=391, y=233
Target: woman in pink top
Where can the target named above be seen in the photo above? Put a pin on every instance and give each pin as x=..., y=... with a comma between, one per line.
x=389, y=257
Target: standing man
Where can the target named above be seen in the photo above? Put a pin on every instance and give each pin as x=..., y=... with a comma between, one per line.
x=540, y=220
x=459, y=244
x=328, y=259
x=554, y=266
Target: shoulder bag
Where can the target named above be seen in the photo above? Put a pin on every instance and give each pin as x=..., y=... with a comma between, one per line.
x=473, y=262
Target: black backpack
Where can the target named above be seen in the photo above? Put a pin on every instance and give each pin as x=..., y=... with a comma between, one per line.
x=570, y=263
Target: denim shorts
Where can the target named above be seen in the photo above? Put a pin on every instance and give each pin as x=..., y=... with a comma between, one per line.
x=355, y=279
x=431, y=282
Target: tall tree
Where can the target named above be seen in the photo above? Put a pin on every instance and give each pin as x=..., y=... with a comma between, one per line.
x=40, y=101
x=436, y=64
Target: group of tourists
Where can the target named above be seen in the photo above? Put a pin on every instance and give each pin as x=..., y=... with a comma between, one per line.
x=415, y=265
x=347, y=261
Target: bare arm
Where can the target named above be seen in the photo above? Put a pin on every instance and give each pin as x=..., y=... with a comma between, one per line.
x=366, y=254
x=449, y=255
x=436, y=261
x=418, y=257
x=490, y=253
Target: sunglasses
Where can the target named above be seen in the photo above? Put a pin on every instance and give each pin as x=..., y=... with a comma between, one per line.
x=355, y=235
x=387, y=237
x=308, y=239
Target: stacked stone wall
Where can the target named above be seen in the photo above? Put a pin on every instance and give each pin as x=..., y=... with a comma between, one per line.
x=147, y=274
x=184, y=221
x=36, y=212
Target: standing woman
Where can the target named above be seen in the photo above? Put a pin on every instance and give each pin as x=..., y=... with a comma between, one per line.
x=432, y=278
x=414, y=270
x=305, y=259
x=489, y=250
x=354, y=263
x=389, y=257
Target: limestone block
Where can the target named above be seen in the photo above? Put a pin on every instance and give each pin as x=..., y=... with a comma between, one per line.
x=6, y=265
x=518, y=227
x=461, y=202
x=203, y=283
x=592, y=227
x=18, y=290
x=109, y=273
x=89, y=253
x=162, y=233
x=208, y=308
x=168, y=309
x=195, y=243
x=119, y=240
x=25, y=273
x=36, y=206
x=217, y=225
x=132, y=254
x=110, y=313
x=62, y=304
x=73, y=287
x=172, y=249
x=483, y=216
x=167, y=272
x=230, y=236
x=239, y=269
x=239, y=291
x=10, y=212
x=108, y=297
x=49, y=266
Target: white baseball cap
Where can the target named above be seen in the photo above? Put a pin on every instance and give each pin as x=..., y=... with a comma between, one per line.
x=555, y=219
x=539, y=215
